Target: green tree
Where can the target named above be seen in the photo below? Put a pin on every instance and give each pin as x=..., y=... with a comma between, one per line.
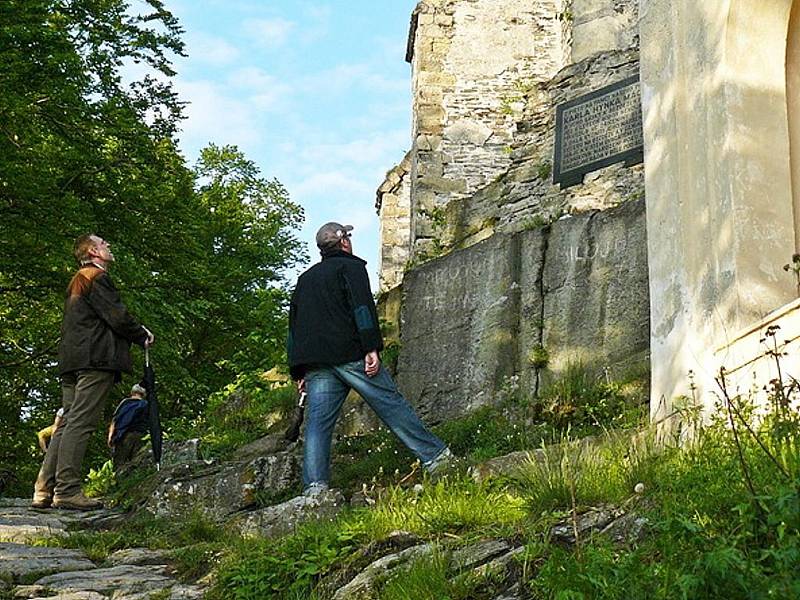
x=76, y=146
x=199, y=255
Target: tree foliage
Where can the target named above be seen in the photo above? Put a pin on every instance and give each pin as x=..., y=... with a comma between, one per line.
x=200, y=253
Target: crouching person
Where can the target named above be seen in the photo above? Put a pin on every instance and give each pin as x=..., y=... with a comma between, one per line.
x=333, y=347
x=128, y=427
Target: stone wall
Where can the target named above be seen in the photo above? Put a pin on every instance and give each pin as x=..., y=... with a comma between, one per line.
x=471, y=61
x=515, y=263
x=470, y=320
x=486, y=78
x=525, y=192
x=394, y=207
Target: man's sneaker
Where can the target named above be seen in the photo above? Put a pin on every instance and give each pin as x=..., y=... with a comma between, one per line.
x=41, y=501
x=77, y=502
x=442, y=464
x=316, y=489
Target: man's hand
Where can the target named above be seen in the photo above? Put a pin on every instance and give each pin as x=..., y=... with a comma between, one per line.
x=301, y=386
x=150, y=337
x=372, y=363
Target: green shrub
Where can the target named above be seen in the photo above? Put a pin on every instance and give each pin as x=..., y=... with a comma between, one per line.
x=724, y=522
x=243, y=412
x=286, y=568
x=101, y=481
x=579, y=397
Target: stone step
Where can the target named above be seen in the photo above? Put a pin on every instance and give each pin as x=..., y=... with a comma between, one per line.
x=18, y=561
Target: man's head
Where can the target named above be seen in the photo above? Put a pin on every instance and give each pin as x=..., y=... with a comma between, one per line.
x=91, y=248
x=334, y=236
x=137, y=391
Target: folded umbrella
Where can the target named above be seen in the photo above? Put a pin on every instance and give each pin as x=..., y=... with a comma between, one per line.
x=153, y=419
x=293, y=431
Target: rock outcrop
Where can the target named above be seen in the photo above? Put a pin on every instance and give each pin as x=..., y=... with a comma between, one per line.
x=513, y=304
x=133, y=574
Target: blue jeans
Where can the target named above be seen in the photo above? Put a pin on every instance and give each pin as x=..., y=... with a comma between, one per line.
x=328, y=386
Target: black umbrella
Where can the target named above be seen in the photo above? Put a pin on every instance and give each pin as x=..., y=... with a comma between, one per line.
x=293, y=431
x=153, y=419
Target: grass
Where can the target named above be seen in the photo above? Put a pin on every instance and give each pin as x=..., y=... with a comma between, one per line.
x=709, y=536
x=453, y=506
x=430, y=578
x=722, y=513
x=141, y=531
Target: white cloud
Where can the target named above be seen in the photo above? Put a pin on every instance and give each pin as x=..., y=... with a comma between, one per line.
x=333, y=184
x=269, y=32
x=215, y=116
x=345, y=77
x=211, y=50
x=378, y=149
x=264, y=91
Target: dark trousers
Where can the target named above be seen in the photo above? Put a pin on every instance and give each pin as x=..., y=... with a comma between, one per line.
x=126, y=448
x=84, y=395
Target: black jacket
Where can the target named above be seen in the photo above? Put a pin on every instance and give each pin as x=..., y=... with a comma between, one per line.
x=332, y=316
x=97, y=330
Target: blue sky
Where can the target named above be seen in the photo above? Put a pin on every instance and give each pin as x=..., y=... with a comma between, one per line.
x=316, y=93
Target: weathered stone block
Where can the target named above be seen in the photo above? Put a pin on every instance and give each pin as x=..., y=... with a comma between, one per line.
x=220, y=491
x=596, y=291
x=457, y=332
x=285, y=517
x=18, y=561
x=468, y=131
x=443, y=184
x=473, y=317
x=598, y=35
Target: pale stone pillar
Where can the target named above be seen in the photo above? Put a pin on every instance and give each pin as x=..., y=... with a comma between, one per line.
x=720, y=222
x=793, y=109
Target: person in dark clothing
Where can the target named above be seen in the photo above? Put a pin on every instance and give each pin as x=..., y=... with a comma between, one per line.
x=96, y=335
x=128, y=427
x=333, y=346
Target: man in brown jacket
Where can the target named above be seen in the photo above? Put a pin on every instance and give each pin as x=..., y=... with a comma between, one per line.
x=96, y=335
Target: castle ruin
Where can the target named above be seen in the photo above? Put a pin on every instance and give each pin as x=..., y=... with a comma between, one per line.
x=658, y=264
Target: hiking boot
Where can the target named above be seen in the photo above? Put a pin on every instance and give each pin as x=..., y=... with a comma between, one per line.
x=77, y=502
x=40, y=501
x=316, y=489
x=441, y=466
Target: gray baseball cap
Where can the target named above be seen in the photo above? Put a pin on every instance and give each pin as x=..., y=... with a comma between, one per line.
x=331, y=234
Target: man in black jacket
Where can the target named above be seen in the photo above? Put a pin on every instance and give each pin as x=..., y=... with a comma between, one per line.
x=334, y=345
x=96, y=335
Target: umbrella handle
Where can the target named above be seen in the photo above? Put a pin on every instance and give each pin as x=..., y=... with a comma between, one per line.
x=146, y=356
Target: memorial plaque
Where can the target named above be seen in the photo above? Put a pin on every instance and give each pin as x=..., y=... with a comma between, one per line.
x=597, y=130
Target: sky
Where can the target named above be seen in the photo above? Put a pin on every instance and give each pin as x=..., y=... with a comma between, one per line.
x=316, y=93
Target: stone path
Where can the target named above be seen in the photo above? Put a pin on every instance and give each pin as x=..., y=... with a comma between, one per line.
x=35, y=572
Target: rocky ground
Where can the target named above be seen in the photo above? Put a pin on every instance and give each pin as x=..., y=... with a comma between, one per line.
x=33, y=571
x=225, y=493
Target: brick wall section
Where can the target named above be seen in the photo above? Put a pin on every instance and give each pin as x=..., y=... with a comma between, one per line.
x=471, y=61
x=394, y=208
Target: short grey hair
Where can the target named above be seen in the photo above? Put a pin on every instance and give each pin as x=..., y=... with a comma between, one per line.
x=138, y=389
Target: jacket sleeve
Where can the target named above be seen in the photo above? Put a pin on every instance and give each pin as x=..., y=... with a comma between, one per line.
x=106, y=302
x=292, y=321
x=365, y=315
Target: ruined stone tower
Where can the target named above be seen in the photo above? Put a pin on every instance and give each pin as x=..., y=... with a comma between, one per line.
x=494, y=256
x=473, y=64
